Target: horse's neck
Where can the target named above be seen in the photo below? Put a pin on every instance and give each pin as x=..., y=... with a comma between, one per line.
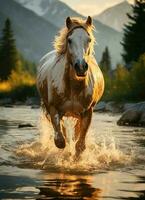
x=72, y=84
x=76, y=85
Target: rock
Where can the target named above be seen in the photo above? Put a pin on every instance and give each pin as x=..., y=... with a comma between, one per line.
x=109, y=107
x=128, y=106
x=113, y=107
x=32, y=101
x=25, y=125
x=8, y=106
x=135, y=106
x=19, y=103
x=35, y=107
x=130, y=118
x=100, y=106
x=5, y=101
x=134, y=115
x=142, y=119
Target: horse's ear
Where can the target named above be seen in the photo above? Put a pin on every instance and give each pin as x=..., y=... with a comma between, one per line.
x=68, y=22
x=89, y=21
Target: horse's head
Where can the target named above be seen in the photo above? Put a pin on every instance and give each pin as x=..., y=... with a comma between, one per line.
x=79, y=43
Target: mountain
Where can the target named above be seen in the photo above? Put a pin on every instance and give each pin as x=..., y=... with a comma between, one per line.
x=115, y=16
x=52, y=10
x=33, y=34
x=55, y=12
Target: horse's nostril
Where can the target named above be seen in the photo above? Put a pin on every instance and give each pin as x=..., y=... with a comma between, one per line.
x=76, y=66
x=86, y=66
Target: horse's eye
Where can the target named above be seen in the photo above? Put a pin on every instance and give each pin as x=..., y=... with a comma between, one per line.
x=69, y=41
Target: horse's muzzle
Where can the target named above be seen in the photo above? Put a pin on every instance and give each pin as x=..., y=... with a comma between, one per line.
x=81, y=68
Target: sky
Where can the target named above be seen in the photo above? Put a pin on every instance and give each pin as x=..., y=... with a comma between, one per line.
x=91, y=7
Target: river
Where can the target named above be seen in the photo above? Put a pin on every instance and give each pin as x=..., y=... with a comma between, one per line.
x=31, y=167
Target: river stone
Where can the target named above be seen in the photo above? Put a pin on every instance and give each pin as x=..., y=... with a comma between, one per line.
x=100, y=106
x=113, y=107
x=32, y=101
x=5, y=101
x=35, y=106
x=25, y=125
x=142, y=119
x=130, y=117
x=135, y=106
x=134, y=114
x=128, y=106
x=19, y=103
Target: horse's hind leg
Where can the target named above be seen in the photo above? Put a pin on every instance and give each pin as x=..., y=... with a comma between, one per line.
x=56, y=122
x=84, y=125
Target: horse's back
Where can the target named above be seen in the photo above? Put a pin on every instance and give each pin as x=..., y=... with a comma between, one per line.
x=47, y=57
x=45, y=65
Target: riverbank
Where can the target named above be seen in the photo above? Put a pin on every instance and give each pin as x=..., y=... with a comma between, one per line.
x=133, y=114
x=30, y=101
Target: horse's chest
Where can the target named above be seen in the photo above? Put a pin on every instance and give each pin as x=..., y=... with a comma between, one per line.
x=75, y=104
x=73, y=100
x=72, y=106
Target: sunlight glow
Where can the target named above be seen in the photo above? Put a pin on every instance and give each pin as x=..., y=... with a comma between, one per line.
x=92, y=7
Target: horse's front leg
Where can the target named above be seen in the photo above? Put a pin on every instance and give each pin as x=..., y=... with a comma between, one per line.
x=85, y=121
x=56, y=122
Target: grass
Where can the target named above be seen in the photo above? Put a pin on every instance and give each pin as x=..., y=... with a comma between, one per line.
x=19, y=86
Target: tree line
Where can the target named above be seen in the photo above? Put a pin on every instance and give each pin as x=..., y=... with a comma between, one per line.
x=17, y=75
x=10, y=57
x=127, y=81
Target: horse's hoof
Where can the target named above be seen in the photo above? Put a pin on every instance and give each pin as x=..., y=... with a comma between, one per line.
x=59, y=141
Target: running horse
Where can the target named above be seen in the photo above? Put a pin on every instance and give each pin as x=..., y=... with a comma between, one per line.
x=70, y=82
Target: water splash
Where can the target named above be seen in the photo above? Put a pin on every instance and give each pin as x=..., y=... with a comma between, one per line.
x=101, y=151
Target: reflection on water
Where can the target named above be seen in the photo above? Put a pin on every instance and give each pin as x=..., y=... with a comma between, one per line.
x=112, y=167
x=140, y=193
x=68, y=189
x=15, y=187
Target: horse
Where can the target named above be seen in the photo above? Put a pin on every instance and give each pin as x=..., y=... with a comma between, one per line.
x=70, y=81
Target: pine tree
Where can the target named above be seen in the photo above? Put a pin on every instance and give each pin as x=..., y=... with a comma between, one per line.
x=134, y=34
x=8, y=51
x=105, y=62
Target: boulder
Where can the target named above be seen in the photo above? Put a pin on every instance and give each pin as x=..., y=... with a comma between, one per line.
x=108, y=107
x=5, y=101
x=135, y=106
x=142, y=119
x=130, y=118
x=128, y=106
x=100, y=106
x=113, y=107
x=134, y=115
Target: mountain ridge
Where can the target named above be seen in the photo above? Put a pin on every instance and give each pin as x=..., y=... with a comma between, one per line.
x=30, y=39
x=115, y=16
x=105, y=35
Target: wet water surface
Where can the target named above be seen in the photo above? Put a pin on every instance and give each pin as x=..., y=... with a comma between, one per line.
x=31, y=167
